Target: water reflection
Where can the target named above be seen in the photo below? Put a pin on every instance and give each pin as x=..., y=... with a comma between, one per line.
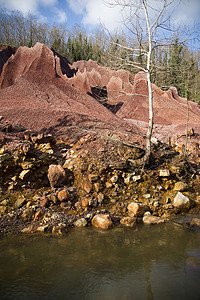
x=152, y=262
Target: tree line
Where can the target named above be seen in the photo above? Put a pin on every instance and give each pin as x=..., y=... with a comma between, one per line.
x=176, y=65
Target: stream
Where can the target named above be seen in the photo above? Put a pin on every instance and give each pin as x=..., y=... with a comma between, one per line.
x=148, y=262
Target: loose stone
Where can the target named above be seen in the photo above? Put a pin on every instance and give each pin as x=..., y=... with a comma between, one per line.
x=63, y=195
x=181, y=201
x=66, y=205
x=149, y=219
x=102, y=221
x=136, y=177
x=39, y=214
x=24, y=174
x=56, y=175
x=87, y=187
x=136, y=209
x=42, y=228
x=82, y=222
x=44, y=202
x=128, y=221
x=100, y=198
x=164, y=173
x=180, y=186
x=85, y=203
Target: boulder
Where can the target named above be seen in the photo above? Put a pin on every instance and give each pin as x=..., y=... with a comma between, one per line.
x=149, y=219
x=128, y=221
x=180, y=186
x=82, y=222
x=102, y=221
x=63, y=195
x=181, y=201
x=136, y=209
x=136, y=177
x=56, y=175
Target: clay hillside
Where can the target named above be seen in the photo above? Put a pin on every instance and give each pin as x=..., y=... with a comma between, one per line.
x=41, y=90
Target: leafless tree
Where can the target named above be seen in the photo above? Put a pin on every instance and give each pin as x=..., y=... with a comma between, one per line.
x=149, y=23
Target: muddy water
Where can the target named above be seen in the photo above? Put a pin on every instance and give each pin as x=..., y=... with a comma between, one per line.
x=150, y=262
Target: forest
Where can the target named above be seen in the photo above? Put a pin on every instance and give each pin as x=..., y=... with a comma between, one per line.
x=175, y=65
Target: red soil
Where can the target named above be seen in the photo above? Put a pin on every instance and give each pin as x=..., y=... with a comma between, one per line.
x=41, y=90
x=35, y=93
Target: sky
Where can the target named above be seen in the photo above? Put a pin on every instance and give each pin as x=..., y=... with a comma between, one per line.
x=91, y=13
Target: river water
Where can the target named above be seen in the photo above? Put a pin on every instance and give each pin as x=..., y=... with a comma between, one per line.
x=148, y=262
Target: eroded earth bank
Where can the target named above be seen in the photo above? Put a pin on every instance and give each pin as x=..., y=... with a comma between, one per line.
x=72, y=143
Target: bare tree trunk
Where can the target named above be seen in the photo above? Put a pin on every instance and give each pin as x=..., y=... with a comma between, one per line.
x=148, y=71
x=150, y=127
x=186, y=130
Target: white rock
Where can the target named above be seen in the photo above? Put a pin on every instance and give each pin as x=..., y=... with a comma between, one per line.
x=80, y=222
x=23, y=174
x=114, y=179
x=146, y=196
x=181, y=201
x=164, y=173
x=136, y=177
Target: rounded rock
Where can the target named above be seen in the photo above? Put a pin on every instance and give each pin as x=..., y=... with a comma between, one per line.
x=102, y=221
x=80, y=222
x=63, y=195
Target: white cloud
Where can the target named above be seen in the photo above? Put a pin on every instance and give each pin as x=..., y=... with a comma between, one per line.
x=33, y=6
x=78, y=6
x=26, y=6
x=95, y=12
x=61, y=15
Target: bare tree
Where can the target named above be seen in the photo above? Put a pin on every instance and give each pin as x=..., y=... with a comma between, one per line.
x=149, y=23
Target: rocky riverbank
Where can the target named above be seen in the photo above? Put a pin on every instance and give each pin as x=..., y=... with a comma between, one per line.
x=50, y=185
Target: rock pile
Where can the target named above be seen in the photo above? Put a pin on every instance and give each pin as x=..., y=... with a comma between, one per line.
x=45, y=188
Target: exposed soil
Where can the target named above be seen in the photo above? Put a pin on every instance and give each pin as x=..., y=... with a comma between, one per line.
x=92, y=121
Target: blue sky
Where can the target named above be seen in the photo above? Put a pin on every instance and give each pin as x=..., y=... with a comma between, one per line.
x=90, y=13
